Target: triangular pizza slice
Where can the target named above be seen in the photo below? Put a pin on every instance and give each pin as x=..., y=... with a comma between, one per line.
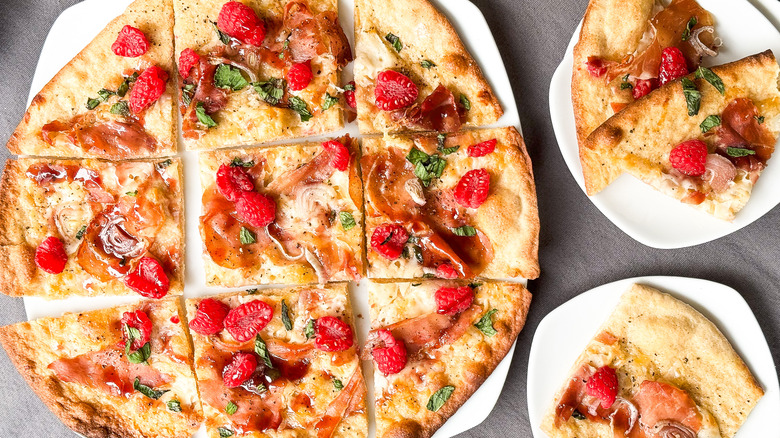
x=413, y=73
x=433, y=344
x=123, y=371
x=703, y=139
x=115, y=99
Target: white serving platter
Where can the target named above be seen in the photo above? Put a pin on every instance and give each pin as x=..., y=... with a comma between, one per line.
x=563, y=334
x=79, y=24
x=640, y=211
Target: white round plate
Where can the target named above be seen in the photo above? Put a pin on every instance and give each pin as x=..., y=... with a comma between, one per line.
x=564, y=333
x=79, y=24
x=643, y=213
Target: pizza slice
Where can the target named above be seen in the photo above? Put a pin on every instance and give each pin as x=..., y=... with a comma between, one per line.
x=279, y=362
x=124, y=371
x=450, y=206
x=413, y=72
x=433, y=344
x=287, y=214
x=258, y=71
x=703, y=139
x=657, y=368
x=629, y=48
x=89, y=227
x=114, y=100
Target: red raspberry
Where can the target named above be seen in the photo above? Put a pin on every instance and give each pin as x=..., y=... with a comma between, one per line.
x=473, y=188
x=149, y=86
x=389, y=240
x=299, y=76
x=256, y=209
x=391, y=358
x=349, y=95
x=130, y=43
x=596, y=67
x=50, y=255
x=187, y=59
x=452, y=300
x=175, y=319
x=148, y=279
x=210, y=317
x=394, y=90
x=233, y=181
x=673, y=65
x=445, y=270
x=241, y=22
x=240, y=368
x=333, y=334
x=482, y=149
x=643, y=87
x=246, y=320
x=604, y=386
x=137, y=320
x=339, y=154
x=689, y=157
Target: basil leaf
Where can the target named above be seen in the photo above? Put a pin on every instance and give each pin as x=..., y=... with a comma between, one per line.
x=426, y=167
x=739, y=152
x=416, y=284
x=299, y=106
x=687, y=32
x=578, y=415
x=440, y=397
x=163, y=164
x=147, y=391
x=329, y=101
x=284, y=47
x=337, y=384
x=394, y=41
x=418, y=255
x=428, y=275
x=271, y=90
x=81, y=232
x=349, y=87
x=440, y=139
x=246, y=236
x=187, y=92
x=387, y=239
x=759, y=119
x=222, y=37
x=475, y=285
x=224, y=432
x=466, y=230
x=105, y=94
x=692, y=96
x=485, y=324
x=229, y=77
x=253, y=291
x=262, y=350
x=121, y=108
x=204, y=118
x=231, y=408
x=238, y=162
x=133, y=193
x=452, y=150
x=626, y=86
x=141, y=355
x=125, y=85
x=174, y=406
x=426, y=64
x=709, y=123
x=712, y=78
x=309, y=329
x=261, y=388
x=92, y=103
x=465, y=102
x=286, y=316
x=347, y=220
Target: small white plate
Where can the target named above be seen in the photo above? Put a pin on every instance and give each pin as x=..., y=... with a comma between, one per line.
x=563, y=334
x=636, y=208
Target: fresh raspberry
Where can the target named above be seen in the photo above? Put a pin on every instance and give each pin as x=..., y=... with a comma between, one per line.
x=240, y=368
x=50, y=255
x=130, y=43
x=596, y=67
x=473, y=188
x=210, y=317
x=445, y=270
x=349, y=95
x=673, y=65
x=149, y=86
x=333, y=334
x=255, y=209
x=339, y=154
x=604, y=386
x=452, y=300
x=643, y=87
x=391, y=358
x=389, y=240
x=246, y=320
x=137, y=320
x=689, y=157
x=148, y=279
x=482, y=149
x=241, y=22
x=299, y=76
x=187, y=59
x=394, y=90
x=233, y=181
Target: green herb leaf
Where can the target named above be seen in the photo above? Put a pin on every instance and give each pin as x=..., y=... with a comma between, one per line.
x=418, y=255
x=466, y=230
x=81, y=232
x=739, y=152
x=141, y=355
x=337, y=384
x=187, y=92
x=271, y=90
x=759, y=119
x=174, y=406
x=247, y=236
x=309, y=329
x=428, y=275
x=261, y=388
x=284, y=47
x=465, y=102
x=125, y=85
x=229, y=77
x=626, y=86
x=426, y=64
x=204, y=118
x=133, y=193
x=440, y=397
x=222, y=37
x=253, y=291
x=147, y=391
x=426, y=167
x=394, y=41
x=93, y=103
x=709, y=123
x=299, y=106
x=105, y=94
x=121, y=108
x=262, y=350
x=687, y=32
x=452, y=150
x=692, y=96
x=485, y=324
x=347, y=220
x=416, y=284
x=231, y=408
x=224, y=432
x=286, y=316
x=238, y=162
x=578, y=415
x=712, y=78
x=329, y=101
x=163, y=164
x=349, y=87
x=440, y=140
x=475, y=285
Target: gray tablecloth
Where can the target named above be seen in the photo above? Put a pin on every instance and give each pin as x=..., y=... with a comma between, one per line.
x=580, y=248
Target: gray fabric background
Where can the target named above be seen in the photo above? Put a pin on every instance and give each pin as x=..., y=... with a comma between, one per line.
x=580, y=248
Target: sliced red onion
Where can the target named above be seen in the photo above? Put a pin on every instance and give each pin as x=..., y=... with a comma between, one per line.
x=701, y=48
x=633, y=412
x=117, y=241
x=672, y=429
x=415, y=190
